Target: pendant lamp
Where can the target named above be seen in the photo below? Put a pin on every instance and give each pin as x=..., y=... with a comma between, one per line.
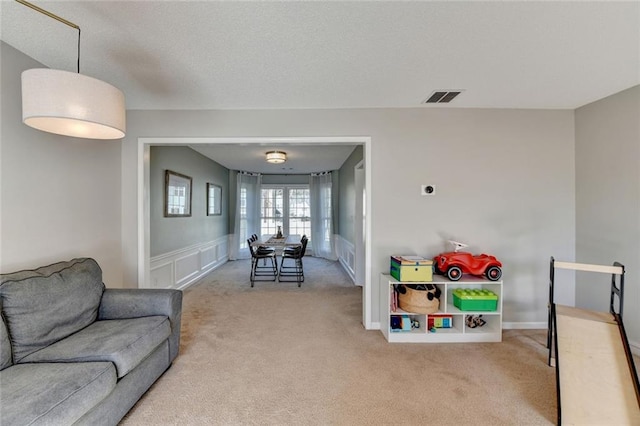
x=71, y=104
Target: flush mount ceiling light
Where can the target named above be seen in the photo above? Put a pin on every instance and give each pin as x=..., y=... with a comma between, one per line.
x=71, y=104
x=276, y=157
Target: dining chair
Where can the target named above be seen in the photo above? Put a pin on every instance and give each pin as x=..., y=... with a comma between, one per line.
x=261, y=249
x=293, y=249
x=264, y=272
x=295, y=254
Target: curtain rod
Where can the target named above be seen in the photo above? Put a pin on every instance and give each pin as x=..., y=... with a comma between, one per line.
x=286, y=174
x=283, y=174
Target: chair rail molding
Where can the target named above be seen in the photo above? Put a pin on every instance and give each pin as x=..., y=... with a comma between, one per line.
x=181, y=268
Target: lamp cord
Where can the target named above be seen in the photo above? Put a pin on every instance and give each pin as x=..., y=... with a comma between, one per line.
x=78, y=50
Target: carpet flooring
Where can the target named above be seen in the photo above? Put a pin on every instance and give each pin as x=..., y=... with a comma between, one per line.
x=277, y=354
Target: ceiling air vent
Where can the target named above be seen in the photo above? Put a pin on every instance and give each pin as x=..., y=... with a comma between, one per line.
x=442, y=96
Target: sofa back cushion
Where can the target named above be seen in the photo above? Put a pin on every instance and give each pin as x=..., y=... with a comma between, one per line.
x=45, y=305
x=5, y=344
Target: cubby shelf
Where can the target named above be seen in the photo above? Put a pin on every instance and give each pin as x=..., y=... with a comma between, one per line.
x=490, y=332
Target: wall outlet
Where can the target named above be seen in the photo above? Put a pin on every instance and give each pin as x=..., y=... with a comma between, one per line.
x=428, y=190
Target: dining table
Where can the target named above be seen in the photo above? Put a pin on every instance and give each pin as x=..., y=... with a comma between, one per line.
x=278, y=243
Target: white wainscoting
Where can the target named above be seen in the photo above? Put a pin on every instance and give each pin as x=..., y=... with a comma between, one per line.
x=181, y=268
x=346, y=253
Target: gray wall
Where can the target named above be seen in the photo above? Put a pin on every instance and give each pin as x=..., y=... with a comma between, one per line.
x=608, y=200
x=505, y=182
x=60, y=196
x=348, y=195
x=172, y=233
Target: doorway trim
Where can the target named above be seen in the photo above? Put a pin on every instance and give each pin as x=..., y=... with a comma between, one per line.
x=144, y=144
x=360, y=219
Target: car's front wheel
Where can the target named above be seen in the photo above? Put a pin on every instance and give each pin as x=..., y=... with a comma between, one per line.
x=493, y=273
x=454, y=273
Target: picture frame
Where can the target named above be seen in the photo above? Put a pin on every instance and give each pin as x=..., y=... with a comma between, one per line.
x=214, y=199
x=177, y=194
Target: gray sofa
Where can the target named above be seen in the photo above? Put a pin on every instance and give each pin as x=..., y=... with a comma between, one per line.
x=73, y=352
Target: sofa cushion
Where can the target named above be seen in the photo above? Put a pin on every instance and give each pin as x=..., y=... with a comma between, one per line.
x=5, y=344
x=47, y=304
x=39, y=394
x=124, y=342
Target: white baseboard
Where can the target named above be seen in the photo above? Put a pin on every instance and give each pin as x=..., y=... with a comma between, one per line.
x=375, y=326
x=524, y=325
x=635, y=348
x=181, y=268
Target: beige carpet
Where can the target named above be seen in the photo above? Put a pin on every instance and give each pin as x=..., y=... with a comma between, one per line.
x=277, y=354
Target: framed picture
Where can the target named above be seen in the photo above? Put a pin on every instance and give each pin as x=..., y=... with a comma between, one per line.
x=214, y=200
x=177, y=194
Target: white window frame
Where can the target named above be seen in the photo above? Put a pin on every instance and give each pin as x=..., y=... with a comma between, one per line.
x=285, y=202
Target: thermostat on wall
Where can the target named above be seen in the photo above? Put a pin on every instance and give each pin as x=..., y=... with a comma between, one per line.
x=428, y=190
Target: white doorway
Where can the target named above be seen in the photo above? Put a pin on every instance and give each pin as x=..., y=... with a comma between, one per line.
x=360, y=221
x=144, y=145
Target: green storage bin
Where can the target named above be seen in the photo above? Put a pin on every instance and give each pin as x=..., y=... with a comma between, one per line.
x=475, y=299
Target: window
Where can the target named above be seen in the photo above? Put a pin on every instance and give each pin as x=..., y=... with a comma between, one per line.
x=325, y=213
x=299, y=212
x=285, y=206
x=243, y=218
x=271, y=208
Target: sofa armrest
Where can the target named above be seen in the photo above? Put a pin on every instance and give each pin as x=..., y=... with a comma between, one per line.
x=135, y=303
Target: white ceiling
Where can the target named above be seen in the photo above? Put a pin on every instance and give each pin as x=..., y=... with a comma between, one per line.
x=301, y=159
x=329, y=54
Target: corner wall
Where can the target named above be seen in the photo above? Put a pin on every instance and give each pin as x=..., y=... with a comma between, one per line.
x=608, y=200
x=348, y=196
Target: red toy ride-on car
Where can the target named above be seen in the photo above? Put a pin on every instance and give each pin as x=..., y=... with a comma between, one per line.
x=454, y=264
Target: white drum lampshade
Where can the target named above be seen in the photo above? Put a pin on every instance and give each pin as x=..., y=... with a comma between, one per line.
x=276, y=157
x=72, y=104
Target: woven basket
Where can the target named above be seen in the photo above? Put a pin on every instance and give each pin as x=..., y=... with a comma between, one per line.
x=416, y=301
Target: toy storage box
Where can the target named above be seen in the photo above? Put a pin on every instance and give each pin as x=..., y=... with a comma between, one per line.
x=400, y=323
x=411, y=268
x=440, y=321
x=417, y=301
x=475, y=299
